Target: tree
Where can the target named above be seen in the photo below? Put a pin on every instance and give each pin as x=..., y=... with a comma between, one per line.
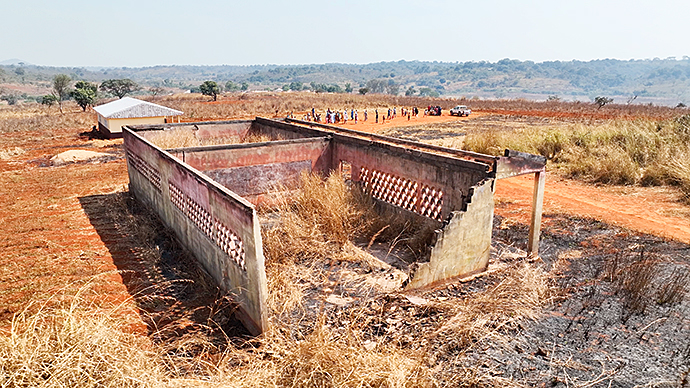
x=392, y=87
x=376, y=85
x=348, y=88
x=231, y=86
x=296, y=86
x=10, y=98
x=61, y=88
x=210, y=88
x=601, y=101
x=410, y=91
x=363, y=91
x=119, y=87
x=156, y=90
x=48, y=100
x=423, y=92
x=245, y=86
x=84, y=94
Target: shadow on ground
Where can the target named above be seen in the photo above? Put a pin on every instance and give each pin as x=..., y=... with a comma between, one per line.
x=175, y=296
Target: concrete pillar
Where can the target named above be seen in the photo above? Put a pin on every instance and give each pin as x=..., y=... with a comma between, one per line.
x=537, y=205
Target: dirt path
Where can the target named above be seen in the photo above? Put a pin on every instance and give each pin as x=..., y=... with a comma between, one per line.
x=372, y=126
x=653, y=210
x=650, y=210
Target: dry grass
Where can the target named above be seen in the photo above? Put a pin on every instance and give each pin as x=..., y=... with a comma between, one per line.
x=315, y=222
x=638, y=280
x=311, y=224
x=11, y=153
x=248, y=105
x=173, y=138
x=75, y=346
x=674, y=288
x=36, y=118
x=325, y=358
x=180, y=138
x=499, y=310
x=616, y=152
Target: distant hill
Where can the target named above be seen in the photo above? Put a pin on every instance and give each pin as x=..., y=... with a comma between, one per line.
x=658, y=81
x=14, y=61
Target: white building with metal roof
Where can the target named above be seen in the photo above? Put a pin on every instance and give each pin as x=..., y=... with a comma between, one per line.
x=131, y=111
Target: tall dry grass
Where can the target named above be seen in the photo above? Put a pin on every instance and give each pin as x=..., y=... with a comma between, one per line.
x=180, y=138
x=249, y=105
x=36, y=118
x=495, y=313
x=642, y=152
x=76, y=345
x=315, y=221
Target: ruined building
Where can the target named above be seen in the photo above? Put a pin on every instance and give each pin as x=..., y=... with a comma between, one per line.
x=208, y=195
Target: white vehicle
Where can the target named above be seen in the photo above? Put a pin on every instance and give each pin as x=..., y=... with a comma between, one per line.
x=460, y=110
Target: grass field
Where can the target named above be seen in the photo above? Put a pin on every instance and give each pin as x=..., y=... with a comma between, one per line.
x=96, y=292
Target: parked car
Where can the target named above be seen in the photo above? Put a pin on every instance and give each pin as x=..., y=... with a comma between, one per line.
x=460, y=110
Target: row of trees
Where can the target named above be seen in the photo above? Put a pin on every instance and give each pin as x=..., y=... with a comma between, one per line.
x=85, y=93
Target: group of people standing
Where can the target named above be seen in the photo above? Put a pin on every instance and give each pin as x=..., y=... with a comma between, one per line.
x=337, y=117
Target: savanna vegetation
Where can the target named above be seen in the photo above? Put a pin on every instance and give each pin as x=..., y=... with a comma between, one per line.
x=662, y=81
x=57, y=334
x=622, y=152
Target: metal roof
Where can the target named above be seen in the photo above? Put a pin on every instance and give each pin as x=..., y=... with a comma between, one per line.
x=127, y=108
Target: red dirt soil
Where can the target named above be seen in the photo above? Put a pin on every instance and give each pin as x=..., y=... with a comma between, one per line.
x=371, y=126
x=650, y=210
x=50, y=248
x=49, y=243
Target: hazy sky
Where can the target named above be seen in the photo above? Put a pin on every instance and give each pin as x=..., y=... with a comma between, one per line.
x=208, y=32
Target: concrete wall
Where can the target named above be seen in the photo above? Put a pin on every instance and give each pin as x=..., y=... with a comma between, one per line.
x=280, y=130
x=455, y=192
x=253, y=170
x=427, y=183
x=220, y=228
x=463, y=245
x=191, y=189
x=115, y=125
x=233, y=130
x=421, y=182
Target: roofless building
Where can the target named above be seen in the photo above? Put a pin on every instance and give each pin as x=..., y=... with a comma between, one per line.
x=208, y=194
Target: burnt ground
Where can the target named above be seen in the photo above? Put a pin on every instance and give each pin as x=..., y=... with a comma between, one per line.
x=620, y=317
x=618, y=314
